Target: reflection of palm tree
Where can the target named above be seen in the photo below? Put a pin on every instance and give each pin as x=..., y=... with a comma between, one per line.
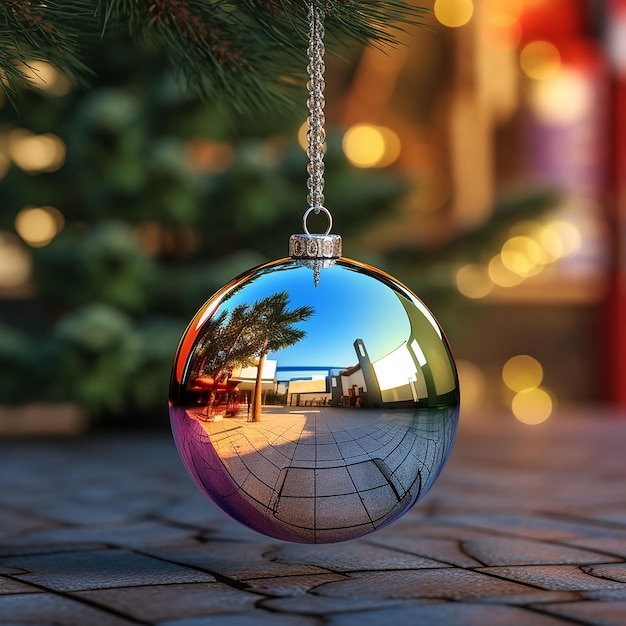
x=274, y=330
x=224, y=344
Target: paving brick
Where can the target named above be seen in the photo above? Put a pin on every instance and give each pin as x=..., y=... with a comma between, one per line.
x=597, y=613
x=614, y=516
x=45, y=609
x=449, y=584
x=511, y=551
x=604, y=594
x=311, y=604
x=348, y=557
x=518, y=530
x=8, y=586
x=612, y=571
x=233, y=560
x=553, y=577
x=13, y=523
x=194, y=509
x=17, y=548
x=6, y=569
x=527, y=525
x=127, y=534
x=164, y=602
x=72, y=510
x=611, y=545
x=256, y=618
x=448, y=614
x=291, y=585
x=445, y=551
x=72, y=571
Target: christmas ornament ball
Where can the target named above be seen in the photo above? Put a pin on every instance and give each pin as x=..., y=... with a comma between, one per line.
x=315, y=400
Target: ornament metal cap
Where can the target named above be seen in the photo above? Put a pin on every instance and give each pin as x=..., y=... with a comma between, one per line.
x=315, y=247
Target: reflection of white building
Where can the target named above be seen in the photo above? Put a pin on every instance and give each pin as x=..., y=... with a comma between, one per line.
x=399, y=373
x=247, y=376
x=402, y=375
x=308, y=392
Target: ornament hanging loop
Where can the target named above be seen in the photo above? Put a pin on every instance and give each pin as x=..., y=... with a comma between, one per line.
x=317, y=210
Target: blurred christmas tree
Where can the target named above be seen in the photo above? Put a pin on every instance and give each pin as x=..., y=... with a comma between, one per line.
x=137, y=200
x=129, y=201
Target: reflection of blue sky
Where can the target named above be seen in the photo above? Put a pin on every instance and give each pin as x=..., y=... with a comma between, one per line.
x=348, y=305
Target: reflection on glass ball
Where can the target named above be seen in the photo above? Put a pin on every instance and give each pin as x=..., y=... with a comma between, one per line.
x=312, y=412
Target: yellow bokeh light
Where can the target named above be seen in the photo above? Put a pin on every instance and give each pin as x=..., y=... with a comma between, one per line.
x=36, y=153
x=563, y=99
x=522, y=255
x=522, y=372
x=16, y=264
x=45, y=78
x=551, y=243
x=502, y=275
x=38, y=226
x=532, y=406
x=454, y=13
x=570, y=236
x=540, y=60
x=473, y=281
x=371, y=146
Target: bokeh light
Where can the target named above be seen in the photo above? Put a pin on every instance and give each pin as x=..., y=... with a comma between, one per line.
x=16, y=264
x=532, y=406
x=45, y=78
x=570, y=236
x=371, y=146
x=563, y=99
x=38, y=226
x=473, y=281
x=501, y=275
x=540, y=60
x=453, y=13
x=36, y=153
x=522, y=255
x=522, y=372
x=204, y=155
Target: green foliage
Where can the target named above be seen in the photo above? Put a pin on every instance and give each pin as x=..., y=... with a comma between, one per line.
x=247, y=53
x=50, y=31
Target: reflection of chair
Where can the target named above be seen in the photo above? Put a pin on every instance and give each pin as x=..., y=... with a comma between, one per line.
x=225, y=395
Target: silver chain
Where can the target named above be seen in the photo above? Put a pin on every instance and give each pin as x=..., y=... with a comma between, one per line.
x=316, y=134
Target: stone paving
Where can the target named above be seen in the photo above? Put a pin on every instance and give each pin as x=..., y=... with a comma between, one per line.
x=526, y=525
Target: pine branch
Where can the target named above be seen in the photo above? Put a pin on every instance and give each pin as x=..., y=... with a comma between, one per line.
x=46, y=31
x=245, y=52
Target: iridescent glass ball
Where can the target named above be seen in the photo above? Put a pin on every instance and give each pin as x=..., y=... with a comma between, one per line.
x=314, y=405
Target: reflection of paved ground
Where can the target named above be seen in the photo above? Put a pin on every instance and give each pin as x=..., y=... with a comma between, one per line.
x=525, y=527
x=331, y=469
